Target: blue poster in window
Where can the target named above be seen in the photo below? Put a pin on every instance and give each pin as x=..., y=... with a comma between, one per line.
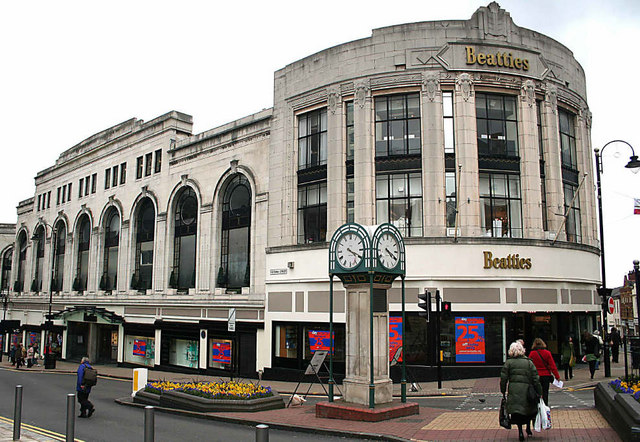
x=470, y=339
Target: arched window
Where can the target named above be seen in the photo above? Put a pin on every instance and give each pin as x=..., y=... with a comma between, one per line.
x=234, y=269
x=109, y=278
x=84, y=238
x=59, y=244
x=183, y=274
x=6, y=268
x=39, y=238
x=18, y=286
x=145, y=226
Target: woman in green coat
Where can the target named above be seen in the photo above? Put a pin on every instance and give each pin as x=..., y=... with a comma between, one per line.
x=518, y=373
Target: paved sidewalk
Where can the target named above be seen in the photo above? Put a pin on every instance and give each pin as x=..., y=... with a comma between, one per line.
x=430, y=424
x=6, y=433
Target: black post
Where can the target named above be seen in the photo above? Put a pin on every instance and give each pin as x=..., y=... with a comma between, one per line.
x=626, y=362
x=331, y=380
x=636, y=266
x=603, y=291
x=438, y=349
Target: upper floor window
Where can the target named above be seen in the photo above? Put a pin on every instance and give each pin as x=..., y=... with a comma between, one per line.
x=183, y=274
x=450, y=190
x=7, y=258
x=36, y=284
x=147, y=164
x=94, y=179
x=312, y=213
x=312, y=139
x=497, y=125
x=158, y=161
x=18, y=286
x=398, y=125
x=139, y=165
x=235, y=244
x=109, y=278
x=350, y=134
x=501, y=205
x=145, y=229
x=399, y=201
x=447, y=120
x=123, y=173
x=82, y=270
x=107, y=178
x=572, y=211
x=59, y=244
x=567, y=140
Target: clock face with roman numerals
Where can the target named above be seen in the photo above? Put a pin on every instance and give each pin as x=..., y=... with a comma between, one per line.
x=349, y=250
x=388, y=251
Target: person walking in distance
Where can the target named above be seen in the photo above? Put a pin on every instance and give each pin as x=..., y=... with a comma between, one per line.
x=19, y=358
x=614, y=342
x=546, y=366
x=591, y=351
x=517, y=374
x=83, y=388
x=568, y=358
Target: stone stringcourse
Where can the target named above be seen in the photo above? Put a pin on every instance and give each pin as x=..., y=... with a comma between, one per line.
x=621, y=410
x=184, y=401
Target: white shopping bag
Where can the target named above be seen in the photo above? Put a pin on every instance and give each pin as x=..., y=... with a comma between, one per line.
x=558, y=383
x=543, y=418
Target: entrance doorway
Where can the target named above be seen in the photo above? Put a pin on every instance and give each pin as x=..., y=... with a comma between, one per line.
x=77, y=340
x=107, y=345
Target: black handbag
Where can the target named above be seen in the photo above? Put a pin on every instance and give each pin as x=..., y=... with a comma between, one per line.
x=532, y=394
x=504, y=416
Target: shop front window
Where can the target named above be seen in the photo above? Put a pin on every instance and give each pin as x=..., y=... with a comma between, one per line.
x=139, y=350
x=183, y=352
x=221, y=354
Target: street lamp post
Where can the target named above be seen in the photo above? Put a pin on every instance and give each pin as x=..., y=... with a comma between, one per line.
x=49, y=362
x=603, y=291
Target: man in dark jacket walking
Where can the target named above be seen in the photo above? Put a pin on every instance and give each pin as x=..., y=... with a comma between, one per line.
x=614, y=342
x=83, y=391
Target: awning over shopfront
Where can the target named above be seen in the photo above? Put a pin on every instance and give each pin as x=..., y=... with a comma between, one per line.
x=84, y=313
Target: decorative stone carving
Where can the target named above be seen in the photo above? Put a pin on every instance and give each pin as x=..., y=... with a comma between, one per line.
x=183, y=179
x=464, y=86
x=234, y=166
x=528, y=92
x=552, y=98
x=362, y=88
x=333, y=99
x=588, y=117
x=431, y=85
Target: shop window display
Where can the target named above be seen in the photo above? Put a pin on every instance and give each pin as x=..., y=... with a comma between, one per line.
x=183, y=352
x=220, y=354
x=139, y=350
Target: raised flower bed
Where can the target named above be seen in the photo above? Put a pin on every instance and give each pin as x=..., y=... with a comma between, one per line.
x=209, y=396
x=617, y=401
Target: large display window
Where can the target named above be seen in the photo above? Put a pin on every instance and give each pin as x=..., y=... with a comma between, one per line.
x=295, y=343
x=221, y=353
x=139, y=350
x=183, y=352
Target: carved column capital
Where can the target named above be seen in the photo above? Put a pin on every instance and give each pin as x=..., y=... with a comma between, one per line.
x=551, y=97
x=464, y=86
x=333, y=98
x=362, y=89
x=431, y=85
x=528, y=92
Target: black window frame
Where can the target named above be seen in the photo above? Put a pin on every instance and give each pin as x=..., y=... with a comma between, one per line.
x=496, y=118
x=139, y=167
x=312, y=132
x=386, y=195
x=307, y=212
x=508, y=198
x=387, y=122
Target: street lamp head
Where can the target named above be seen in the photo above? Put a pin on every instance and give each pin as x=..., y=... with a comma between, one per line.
x=636, y=264
x=633, y=163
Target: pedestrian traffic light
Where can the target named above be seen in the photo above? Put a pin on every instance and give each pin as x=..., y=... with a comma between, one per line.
x=446, y=308
x=424, y=302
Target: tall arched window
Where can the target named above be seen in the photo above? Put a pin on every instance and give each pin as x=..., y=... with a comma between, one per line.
x=6, y=269
x=183, y=274
x=84, y=238
x=234, y=269
x=59, y=244
x=145, y=226
x=39, y=238
x=18, y=286
x=109, y=278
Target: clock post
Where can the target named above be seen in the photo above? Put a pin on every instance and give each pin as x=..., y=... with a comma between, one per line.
x=367, y=260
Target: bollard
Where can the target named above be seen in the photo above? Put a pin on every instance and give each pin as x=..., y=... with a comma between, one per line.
x=71, y=417
x=17, y=413
x=262, y=433
x=149, y=424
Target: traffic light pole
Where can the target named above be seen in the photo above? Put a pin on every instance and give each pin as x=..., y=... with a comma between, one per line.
x=438, y=349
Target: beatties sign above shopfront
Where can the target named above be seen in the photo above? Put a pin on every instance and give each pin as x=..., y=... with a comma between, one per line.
x=502, y=59
x=509, y=262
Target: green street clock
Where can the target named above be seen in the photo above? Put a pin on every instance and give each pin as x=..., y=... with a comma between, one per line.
x=388, y=254
x=349, y=250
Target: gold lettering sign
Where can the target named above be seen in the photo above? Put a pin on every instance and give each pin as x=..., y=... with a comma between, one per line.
x=502, y=59
x=509, y=262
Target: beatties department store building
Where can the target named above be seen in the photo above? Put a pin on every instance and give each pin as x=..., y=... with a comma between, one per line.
x=152, y=238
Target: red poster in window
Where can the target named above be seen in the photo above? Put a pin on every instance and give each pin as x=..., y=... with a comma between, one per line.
x=319, y=340
x=395, y=337
x=221, y=352
x=470, y=339
x=139, y=347
x=32, y=338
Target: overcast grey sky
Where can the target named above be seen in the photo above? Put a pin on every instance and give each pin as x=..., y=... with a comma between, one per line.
x=73, y=68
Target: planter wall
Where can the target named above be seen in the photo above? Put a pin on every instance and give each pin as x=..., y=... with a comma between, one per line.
x=184, y=401
x=621, y=410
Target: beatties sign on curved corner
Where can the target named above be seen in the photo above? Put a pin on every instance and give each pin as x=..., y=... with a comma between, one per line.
x=502, y=59
x=509, y=262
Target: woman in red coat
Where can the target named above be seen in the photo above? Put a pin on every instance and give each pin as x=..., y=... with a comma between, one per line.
x=546, y=366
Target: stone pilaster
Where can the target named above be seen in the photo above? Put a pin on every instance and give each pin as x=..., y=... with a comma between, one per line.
x=336, y=181
x=467, y=156
x=364, y=155
x=124, y=247
x=553, y=168
x=588, y=211
x=205, y=255
x=529, y=163
x=160, y=278
x=433, y=188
